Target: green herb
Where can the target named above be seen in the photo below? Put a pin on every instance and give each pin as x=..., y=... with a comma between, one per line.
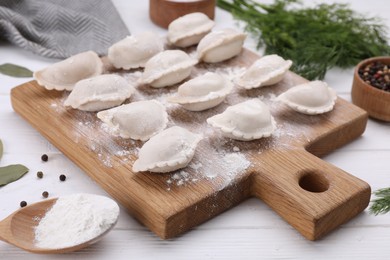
x=315, y=39
x=11, y=173
x=15, y=71
x=381, y=205
x=1, y=149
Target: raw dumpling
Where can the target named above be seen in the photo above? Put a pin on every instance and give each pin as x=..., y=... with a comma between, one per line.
x=134, y=51
x=167, y=151
x=138, y=120
x=189, y=29
x=100, y=92
x=65, y=74
x=266, y=71
x=310, y=98
x=220, y=45
x=167, y=68
x=202, y=92
x=245, y=121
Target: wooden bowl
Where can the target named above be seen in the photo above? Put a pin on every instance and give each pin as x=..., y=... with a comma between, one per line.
x=163, y=12
x=375, y=101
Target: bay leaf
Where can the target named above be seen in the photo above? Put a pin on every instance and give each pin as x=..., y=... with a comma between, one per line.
x=15, y=71
x=1, y=149
x=11, y=173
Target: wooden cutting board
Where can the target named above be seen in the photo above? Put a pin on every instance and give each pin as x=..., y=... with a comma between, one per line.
x=284, y=171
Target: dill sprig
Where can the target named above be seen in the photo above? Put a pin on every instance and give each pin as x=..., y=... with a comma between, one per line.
x=381, y=205
x=315, y=39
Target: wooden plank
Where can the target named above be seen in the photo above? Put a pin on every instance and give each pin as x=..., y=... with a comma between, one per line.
x=223, y=172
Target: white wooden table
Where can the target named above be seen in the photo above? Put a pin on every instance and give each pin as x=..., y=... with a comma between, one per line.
x=249, y=231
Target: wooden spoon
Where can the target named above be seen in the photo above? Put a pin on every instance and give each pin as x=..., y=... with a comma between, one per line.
x=18, y=229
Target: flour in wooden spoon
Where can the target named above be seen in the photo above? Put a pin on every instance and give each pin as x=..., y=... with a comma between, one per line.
x=75, y=219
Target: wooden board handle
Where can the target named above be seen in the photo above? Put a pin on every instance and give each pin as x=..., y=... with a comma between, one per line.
x=310, y=194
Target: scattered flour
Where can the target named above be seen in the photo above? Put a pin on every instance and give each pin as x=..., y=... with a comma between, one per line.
x=234, y=163
x=75, y=219
x=222, y=168
x=218, y=160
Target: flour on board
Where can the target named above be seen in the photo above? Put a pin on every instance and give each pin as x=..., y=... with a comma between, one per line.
x=218, y=160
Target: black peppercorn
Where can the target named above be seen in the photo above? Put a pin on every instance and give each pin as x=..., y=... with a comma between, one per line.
x=377, y=75
x=40, y=175
x=23, y=204
x=45, y=194
x=44, y=157
x=62, y=177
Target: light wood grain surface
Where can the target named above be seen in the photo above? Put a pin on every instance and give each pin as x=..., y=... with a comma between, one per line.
x=251, y=230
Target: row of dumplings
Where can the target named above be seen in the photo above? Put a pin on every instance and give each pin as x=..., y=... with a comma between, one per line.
x=146, y=50
x=170, y=149
x=108, y=90
x=162, y=68
x=146, y=120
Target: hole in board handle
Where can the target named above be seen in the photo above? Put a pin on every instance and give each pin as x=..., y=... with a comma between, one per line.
x=313, y=181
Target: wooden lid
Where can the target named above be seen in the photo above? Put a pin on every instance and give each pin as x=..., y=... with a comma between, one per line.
x=163, y=12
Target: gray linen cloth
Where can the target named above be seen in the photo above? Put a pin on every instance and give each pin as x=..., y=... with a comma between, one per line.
x=61, y=28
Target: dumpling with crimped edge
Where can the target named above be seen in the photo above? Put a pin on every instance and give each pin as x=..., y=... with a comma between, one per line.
x=311, y=98
x=65, y=74
x=167, y=68
x=99, y=93
x=169, y=150
x=220, y=45
x=189, y=29
x=138, y=120
x=203, y=92
x=245, y=121
x=266, y=71
x=134, y=51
